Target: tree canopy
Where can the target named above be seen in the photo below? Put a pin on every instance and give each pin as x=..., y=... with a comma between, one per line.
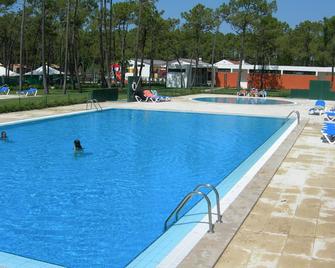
x=101, y=33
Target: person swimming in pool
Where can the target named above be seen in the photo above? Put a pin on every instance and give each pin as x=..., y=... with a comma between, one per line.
x=4, y=135
x=77, y=146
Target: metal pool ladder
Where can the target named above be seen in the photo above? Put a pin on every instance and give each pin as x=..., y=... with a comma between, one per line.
x=93, y=103
x=188, y=197
x=296, y=113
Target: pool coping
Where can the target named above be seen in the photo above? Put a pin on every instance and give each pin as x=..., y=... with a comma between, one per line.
x=289, y=102
x=210, y=248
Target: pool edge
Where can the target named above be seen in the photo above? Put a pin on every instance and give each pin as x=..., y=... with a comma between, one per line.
x=242, y=206
x=152, y=256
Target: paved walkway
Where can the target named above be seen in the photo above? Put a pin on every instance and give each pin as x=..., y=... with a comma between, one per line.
x=293, y=223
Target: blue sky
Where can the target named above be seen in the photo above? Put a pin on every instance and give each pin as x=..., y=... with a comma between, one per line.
x=291, y=11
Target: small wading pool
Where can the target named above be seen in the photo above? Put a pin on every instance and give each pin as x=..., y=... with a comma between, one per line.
x=102, y=208
x=243, y=100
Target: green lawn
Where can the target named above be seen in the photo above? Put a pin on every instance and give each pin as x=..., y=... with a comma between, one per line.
x=57, y=98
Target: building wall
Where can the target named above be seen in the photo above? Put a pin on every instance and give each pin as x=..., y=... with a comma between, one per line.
x=226, y=79
x=285, y=81
x=330, y=78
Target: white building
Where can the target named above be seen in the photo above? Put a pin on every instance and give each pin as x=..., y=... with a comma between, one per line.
x=277, y=76
x=159, y=69
x=182, y=73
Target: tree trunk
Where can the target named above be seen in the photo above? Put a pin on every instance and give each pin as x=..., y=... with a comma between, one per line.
x=66, y=45
x=102, y=51
x=213, y=56
x=111, y=47
x=238, y=86
x=21, y=42
x=75, y=45
x=108, y=45
x=143, y=40
x=45, y=82
x=137, y=40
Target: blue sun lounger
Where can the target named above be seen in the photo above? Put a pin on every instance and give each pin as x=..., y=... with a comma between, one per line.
x=28, y=92
x=4, y=90
x=162, y=98
x=319, y=107
x=330, y=115
x=328, y=132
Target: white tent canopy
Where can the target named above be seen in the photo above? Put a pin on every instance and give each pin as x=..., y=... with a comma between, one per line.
x=3, y=72
x=39, y=71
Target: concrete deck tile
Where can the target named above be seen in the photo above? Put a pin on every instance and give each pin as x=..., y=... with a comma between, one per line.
x=287, y=261
x=278, y=225
x=322, y=264
x=313, y=191
x=255, y=223
x=299, y=245
x=327, y=215
x=270, y=242
x=309, y=208
x=324, y=248
x=325, y=229
x=263, y=260
x=303, y=227
x=234, y=257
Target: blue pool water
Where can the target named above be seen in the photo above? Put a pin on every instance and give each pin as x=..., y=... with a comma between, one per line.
x=102, y=208
x=243, y=100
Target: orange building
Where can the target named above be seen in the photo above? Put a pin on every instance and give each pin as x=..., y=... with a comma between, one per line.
x=270, y=76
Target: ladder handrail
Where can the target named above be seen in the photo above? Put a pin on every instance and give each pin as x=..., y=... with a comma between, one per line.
x=95, y=103
x=295, y=112
x=217, y=196
x=182, y=204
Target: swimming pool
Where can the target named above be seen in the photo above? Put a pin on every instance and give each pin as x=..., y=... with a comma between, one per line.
x=243, y=100
x=105, y=206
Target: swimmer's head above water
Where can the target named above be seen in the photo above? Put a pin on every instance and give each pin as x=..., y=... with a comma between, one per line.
x=77, y=145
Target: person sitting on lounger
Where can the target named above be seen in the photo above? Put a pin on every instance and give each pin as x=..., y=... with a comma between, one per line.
x=3, y=135
x=148, y=94
x=242, y=92
x=253, y=92
x=77, y=146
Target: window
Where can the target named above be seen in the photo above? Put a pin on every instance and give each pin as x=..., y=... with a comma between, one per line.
x=264, y=71
x=176, y=70
x=300, y=72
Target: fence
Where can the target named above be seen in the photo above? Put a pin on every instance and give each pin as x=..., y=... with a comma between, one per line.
x=22, y=103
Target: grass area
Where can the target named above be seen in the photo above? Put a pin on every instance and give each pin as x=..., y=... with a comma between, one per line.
x=57, y=98
x=41, y=101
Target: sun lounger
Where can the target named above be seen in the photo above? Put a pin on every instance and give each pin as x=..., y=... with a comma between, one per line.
x=31, y=92
x=150, y=96
x=4, y=90
x=162, y=98
x=319, y=108
x=242, y=92
x=330, y=115
x=328, y=133
x=28, y=92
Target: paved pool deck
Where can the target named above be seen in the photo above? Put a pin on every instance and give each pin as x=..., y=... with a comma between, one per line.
x=289, y=224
